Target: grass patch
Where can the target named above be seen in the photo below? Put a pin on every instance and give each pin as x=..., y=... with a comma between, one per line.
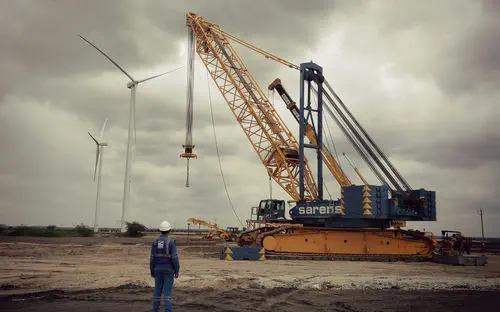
x=135, y=229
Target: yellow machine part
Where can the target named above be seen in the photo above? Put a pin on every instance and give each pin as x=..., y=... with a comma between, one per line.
x=365, y=242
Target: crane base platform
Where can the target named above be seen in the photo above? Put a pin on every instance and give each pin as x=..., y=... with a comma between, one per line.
x=242, y=253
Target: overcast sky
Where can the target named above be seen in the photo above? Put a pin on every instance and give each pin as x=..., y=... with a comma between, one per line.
x=422, y=77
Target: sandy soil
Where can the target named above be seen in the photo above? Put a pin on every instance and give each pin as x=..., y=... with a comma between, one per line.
x=120, y=267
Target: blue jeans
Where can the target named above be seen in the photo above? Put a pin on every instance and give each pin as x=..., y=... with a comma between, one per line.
x=164, y=280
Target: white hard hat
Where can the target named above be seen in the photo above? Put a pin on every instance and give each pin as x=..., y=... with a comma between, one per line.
x=165, y=226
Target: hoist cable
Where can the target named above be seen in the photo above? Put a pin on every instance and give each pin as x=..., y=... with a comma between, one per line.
x=218, y=154
x=329, y=139
x=327, y=191
x=333, y=143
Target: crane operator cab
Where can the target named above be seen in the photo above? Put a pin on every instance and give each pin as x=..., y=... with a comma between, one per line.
x=271, y=209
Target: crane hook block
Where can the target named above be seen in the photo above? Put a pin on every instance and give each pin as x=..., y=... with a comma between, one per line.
x=188, y=152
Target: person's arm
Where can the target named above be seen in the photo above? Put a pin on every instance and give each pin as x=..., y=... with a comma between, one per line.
x=175, y=257
x=152, y=260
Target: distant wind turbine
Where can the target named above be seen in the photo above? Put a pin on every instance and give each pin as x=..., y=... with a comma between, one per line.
x=132, y=85
x=98, y=163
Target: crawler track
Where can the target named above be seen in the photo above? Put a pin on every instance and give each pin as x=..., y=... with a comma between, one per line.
x=392, y=258
x=292, y=243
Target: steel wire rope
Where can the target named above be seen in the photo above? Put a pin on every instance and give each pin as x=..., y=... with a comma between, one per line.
x=327, y=146
x=334, y=149
x=329, y=137
x=218, y=154
x=377, y=148
x=351, y=137
x=270, y=95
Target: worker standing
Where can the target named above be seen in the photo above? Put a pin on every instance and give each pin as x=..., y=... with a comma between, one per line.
x=164, y=266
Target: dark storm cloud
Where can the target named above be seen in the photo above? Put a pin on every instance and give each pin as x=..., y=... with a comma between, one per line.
x=468, y=153
x=42, y=36
x=472, y=63
x=42, y=42
x=135, y=34
x=452, y=124
x=461, y=54
x=276, y=22
x=448, y=143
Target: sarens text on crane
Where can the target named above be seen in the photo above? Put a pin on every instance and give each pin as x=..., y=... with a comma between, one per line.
x=324, y=209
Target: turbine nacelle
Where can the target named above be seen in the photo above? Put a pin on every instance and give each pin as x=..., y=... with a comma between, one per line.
x=97, y=142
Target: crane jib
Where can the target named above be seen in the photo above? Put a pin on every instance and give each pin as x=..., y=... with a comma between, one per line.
x=273, y=142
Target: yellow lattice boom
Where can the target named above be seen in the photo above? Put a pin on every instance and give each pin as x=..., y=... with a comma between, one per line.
x=273, y=142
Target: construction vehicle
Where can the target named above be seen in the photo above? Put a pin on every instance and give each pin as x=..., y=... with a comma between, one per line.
x=454, y=243
x=269, y=210
x=359, y=222
x=229, y=235
x=454, y=248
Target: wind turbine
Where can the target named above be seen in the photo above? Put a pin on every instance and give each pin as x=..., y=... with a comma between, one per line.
x=132, y=85
x=98, y=160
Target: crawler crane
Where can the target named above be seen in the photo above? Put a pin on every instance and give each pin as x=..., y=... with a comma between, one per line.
x=359, y=223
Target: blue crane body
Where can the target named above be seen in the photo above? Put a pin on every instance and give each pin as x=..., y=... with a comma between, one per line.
x=419, y=205
x=360, y=206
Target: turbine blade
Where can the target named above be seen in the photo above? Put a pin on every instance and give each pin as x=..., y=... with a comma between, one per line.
x=103, y=127
x=109, y=58
x=156, y=76
x=96, y=161
x=93, y=138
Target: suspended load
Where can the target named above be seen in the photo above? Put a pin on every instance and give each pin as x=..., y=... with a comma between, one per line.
x=188, y=144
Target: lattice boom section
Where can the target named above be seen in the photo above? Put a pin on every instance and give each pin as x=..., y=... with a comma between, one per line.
x=260, y=122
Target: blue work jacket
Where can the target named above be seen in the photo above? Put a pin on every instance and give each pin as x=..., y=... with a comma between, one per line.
x=164, y=255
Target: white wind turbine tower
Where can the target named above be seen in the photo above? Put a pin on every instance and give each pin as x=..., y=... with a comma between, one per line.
x=132, y=85
x=98, y=163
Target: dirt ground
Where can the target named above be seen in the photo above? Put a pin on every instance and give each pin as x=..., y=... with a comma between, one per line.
x=127, y=298
x=112, y=274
